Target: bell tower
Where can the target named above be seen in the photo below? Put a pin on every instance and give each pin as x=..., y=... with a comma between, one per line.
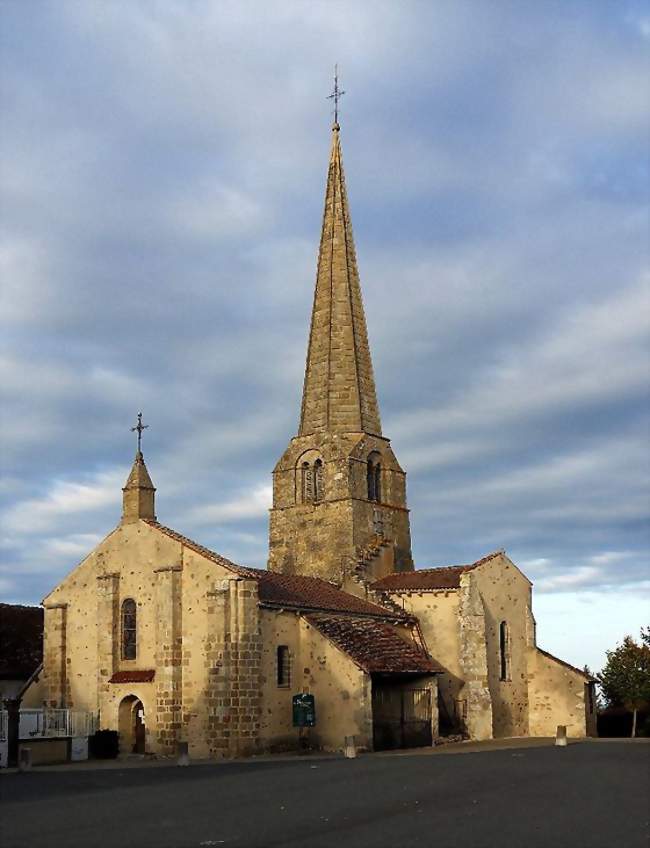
x=339, y=495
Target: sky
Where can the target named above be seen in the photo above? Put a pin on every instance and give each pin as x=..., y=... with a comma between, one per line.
x=162, y=173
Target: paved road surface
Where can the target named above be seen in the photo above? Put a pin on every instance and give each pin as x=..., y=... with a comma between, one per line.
x=589, y=795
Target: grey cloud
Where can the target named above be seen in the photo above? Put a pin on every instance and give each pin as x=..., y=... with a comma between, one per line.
x=162, y=180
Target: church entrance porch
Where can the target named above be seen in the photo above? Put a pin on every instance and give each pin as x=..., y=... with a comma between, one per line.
x=402, y=716
x=131, y=726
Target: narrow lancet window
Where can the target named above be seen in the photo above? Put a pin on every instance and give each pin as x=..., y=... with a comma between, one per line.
x=318, y=480
x=307, y=483
x=129, y=629
x=504, y=652
x=283, y=666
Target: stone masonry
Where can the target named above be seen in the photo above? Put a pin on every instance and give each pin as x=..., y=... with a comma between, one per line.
x=339, y=428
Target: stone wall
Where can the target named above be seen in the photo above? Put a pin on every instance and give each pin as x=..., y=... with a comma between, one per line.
x=437, y=611
x=55, y=656
x=506, y=596
x=478, y=705
x=169, y=657
x=558, y=695
x=197, y=630
x=323, y=539
x=341, y=689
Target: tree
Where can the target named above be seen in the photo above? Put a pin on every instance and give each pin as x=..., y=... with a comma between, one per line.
x=625, y=679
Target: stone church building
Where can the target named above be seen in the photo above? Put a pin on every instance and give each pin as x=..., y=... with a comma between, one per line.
x=171, y=642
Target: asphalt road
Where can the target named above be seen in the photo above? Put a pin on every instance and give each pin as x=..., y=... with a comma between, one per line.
x=592, y=795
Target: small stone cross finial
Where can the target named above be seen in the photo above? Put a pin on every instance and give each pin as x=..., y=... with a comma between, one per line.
x=139, y=427
x=336, y=95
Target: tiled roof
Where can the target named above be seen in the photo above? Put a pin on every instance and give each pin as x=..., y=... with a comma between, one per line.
x=447, y=577
x=301, y=592
x=21, y=641
x=135, y=676
x=567, y=665
x=289, y=590
x=373, y=645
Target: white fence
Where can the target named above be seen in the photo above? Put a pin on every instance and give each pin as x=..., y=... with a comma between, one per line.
x=39, y=724
x=76, y=725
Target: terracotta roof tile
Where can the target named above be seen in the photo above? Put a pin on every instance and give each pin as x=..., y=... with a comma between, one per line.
x=289, y=590
x=21, y=641
x=301, y=592
x=447, y=577
x=134, y=676
x=373, y=645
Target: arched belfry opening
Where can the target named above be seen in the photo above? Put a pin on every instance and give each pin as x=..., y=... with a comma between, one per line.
x=310, y=478
x=373, y=477
x=339, y=461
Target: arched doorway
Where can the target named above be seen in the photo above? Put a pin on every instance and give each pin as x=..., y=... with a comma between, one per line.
x=132, y=726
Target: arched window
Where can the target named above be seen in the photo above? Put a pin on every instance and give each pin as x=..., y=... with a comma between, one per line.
x=374, y=477
x=310, y=478
x=504, y=652
x=318, y=480
x=283, y=666
x=129, y=629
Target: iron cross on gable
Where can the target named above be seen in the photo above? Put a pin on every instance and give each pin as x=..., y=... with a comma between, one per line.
x=336, y=94
x=139, y=427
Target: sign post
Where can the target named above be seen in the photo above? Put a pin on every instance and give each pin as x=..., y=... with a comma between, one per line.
x=304, y=715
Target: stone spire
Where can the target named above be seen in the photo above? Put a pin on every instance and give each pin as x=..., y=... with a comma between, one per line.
x=138, y=498
x=339, y=390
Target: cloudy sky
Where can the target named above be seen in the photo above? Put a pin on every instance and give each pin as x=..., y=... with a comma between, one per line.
x=162, y=175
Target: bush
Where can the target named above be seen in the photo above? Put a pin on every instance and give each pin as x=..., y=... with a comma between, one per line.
x=617, y=722
x=104, y=745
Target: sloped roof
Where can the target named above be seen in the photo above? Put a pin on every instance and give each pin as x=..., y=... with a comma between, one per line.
x=302, y=592
x=134, y=676
x=373, y=645
x=339, y=394
x=568, y=665
x=21, y=641
x=289, y=590
x=194, y=546
x=446, y=577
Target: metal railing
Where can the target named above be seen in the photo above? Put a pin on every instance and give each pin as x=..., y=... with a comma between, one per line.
x=39, y=724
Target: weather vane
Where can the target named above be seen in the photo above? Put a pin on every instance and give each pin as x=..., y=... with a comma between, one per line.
x=139, y=427
x=336, y=94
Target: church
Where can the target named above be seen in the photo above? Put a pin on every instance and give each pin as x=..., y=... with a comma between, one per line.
x=341, y=636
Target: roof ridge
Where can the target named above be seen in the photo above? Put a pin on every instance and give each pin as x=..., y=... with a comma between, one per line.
x=566, y=664
x=383, y=613
x=200, y=549
x=464, y=565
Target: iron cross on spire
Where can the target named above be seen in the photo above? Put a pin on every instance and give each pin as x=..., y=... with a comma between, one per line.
x=139, y=427
x=336, y=94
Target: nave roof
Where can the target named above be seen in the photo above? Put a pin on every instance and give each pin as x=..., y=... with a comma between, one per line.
x=445, y=577
x=291, y=591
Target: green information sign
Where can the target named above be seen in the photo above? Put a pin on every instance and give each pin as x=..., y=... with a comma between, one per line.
x=304, y=710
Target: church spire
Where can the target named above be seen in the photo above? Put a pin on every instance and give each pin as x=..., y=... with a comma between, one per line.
x=138, y=494
x=339, y=390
